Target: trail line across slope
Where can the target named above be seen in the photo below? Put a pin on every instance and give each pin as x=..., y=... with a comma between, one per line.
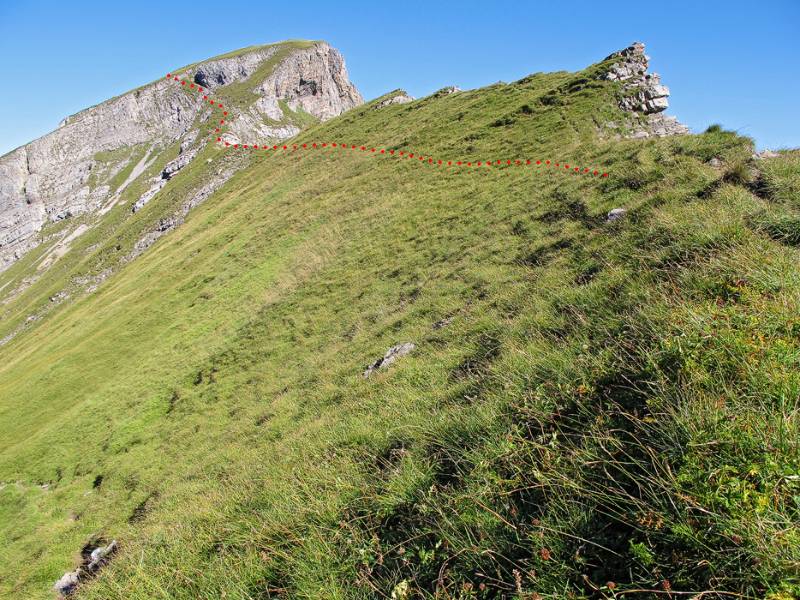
x=421, y=159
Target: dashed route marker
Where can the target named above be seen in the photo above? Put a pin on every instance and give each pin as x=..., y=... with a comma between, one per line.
x=422, y=159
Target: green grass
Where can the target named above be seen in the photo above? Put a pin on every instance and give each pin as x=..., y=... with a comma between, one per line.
x=613, y=406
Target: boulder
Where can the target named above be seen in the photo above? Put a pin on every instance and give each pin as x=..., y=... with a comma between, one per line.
x=90, y=565
x=398, y=97
x=392, y=354
x=615, y=214
x=68, y=582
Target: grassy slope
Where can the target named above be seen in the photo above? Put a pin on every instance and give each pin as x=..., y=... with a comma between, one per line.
x=611, y=403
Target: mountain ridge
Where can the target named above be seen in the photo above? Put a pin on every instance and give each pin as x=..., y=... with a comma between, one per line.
x=578, y=386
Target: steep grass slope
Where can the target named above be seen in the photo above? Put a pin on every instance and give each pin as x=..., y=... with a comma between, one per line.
x=592, y=409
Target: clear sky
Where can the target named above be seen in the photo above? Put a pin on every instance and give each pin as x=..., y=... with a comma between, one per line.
x=734, y=62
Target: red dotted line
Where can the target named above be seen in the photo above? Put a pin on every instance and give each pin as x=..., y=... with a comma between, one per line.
x=422, y=159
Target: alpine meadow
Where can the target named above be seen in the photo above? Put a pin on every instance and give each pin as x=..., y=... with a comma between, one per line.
x=337, y=371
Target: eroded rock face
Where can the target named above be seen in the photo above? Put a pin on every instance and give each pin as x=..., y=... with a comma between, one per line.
x=52, y=178
x=314, y=80
x=643, y=93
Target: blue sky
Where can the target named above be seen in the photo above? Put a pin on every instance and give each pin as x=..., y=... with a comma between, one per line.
x=732, y=62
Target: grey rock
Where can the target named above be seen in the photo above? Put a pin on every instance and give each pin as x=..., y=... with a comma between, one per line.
x=642, y=92
x=100, y=556
x=399, y=97
x=715, y=162
x=443, y=323
x=615, y=214
x=446, y=91
x=69, y=581
x=657, y=125
x=765, y=154
x=392, y=354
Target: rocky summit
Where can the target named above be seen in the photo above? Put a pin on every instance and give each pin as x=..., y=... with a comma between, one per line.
x=535, y=340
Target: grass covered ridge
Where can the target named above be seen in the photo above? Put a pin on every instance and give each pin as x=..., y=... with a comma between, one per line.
x=612, y=410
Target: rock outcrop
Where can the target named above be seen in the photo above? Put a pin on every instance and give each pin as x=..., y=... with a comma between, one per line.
x=92, y=561
x=59, y=175
x=642, y=93
x=397, y=97
x=392, y=354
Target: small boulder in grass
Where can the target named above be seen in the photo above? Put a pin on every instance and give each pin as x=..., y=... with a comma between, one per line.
x=68, y=582
x=392, y=354
x=615, y=214
x=443, y=323
x=98, y=557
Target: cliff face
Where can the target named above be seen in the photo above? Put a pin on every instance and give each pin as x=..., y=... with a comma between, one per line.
x=72, y=170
